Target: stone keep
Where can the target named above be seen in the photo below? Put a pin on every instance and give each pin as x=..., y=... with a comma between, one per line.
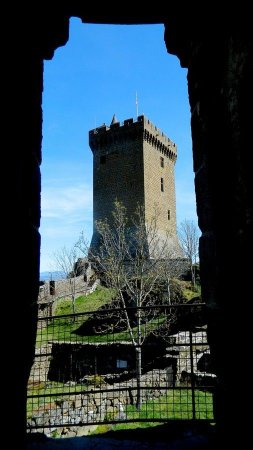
x=134, y=163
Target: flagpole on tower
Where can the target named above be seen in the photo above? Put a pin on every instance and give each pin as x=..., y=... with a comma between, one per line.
x=136, y=102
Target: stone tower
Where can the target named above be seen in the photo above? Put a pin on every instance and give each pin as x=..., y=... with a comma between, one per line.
x=133, y=162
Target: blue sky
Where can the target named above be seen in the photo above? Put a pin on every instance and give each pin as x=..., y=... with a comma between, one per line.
x=95, y=75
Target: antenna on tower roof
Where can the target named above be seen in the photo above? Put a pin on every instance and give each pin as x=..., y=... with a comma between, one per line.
x=136, y=103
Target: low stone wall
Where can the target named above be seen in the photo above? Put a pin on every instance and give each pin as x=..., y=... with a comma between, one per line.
x=40, y=367
x=187, y=359
x=61, y=289
x=106, y=403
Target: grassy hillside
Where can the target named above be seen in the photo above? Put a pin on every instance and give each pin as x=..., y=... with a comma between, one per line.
x=66, y=328
x=85, y=303
x=61, y=328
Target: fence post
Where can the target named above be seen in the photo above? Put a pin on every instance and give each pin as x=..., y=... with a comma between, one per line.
x=192, y=380
x=52, y=287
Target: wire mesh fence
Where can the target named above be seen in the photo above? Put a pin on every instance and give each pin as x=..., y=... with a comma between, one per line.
x=149, y=364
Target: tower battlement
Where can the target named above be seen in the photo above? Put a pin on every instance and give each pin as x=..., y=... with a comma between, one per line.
x=101, y=138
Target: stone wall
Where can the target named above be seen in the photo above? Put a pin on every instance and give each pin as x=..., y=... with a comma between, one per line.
x=156, y=146
x=117, y=169
x=74, y=361
x=192, y=366
x=41, y=365
x=47, y=301
x=106, y=403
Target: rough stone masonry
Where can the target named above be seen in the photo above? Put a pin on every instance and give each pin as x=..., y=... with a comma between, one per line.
x=134, y=163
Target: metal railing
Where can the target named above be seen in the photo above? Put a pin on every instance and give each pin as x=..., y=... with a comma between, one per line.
x=86, y=368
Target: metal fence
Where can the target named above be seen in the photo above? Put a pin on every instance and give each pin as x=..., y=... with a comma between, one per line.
x=85, y=368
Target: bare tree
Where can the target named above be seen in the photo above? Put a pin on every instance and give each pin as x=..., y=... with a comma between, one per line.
x=134, y=258
x=66, y=262
x=189, y=238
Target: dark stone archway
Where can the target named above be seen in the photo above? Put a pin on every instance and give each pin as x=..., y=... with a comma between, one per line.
x=217, y=50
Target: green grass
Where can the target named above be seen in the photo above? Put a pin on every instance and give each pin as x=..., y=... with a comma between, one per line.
x=124, y=335
x=85, y=303
x=188, y=292
x=46, y=390
x=53, y=391
x=177, y=405
x=61, y=328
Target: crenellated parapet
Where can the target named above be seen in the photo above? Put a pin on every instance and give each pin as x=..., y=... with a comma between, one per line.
x=105, y=136
x=156, y=140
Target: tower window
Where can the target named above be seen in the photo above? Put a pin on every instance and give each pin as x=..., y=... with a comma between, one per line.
x=102, y=159
x=162, y=185
x=161, y=161
x=168, y=214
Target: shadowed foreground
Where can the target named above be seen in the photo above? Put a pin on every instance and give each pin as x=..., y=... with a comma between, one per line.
x=169, y=437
